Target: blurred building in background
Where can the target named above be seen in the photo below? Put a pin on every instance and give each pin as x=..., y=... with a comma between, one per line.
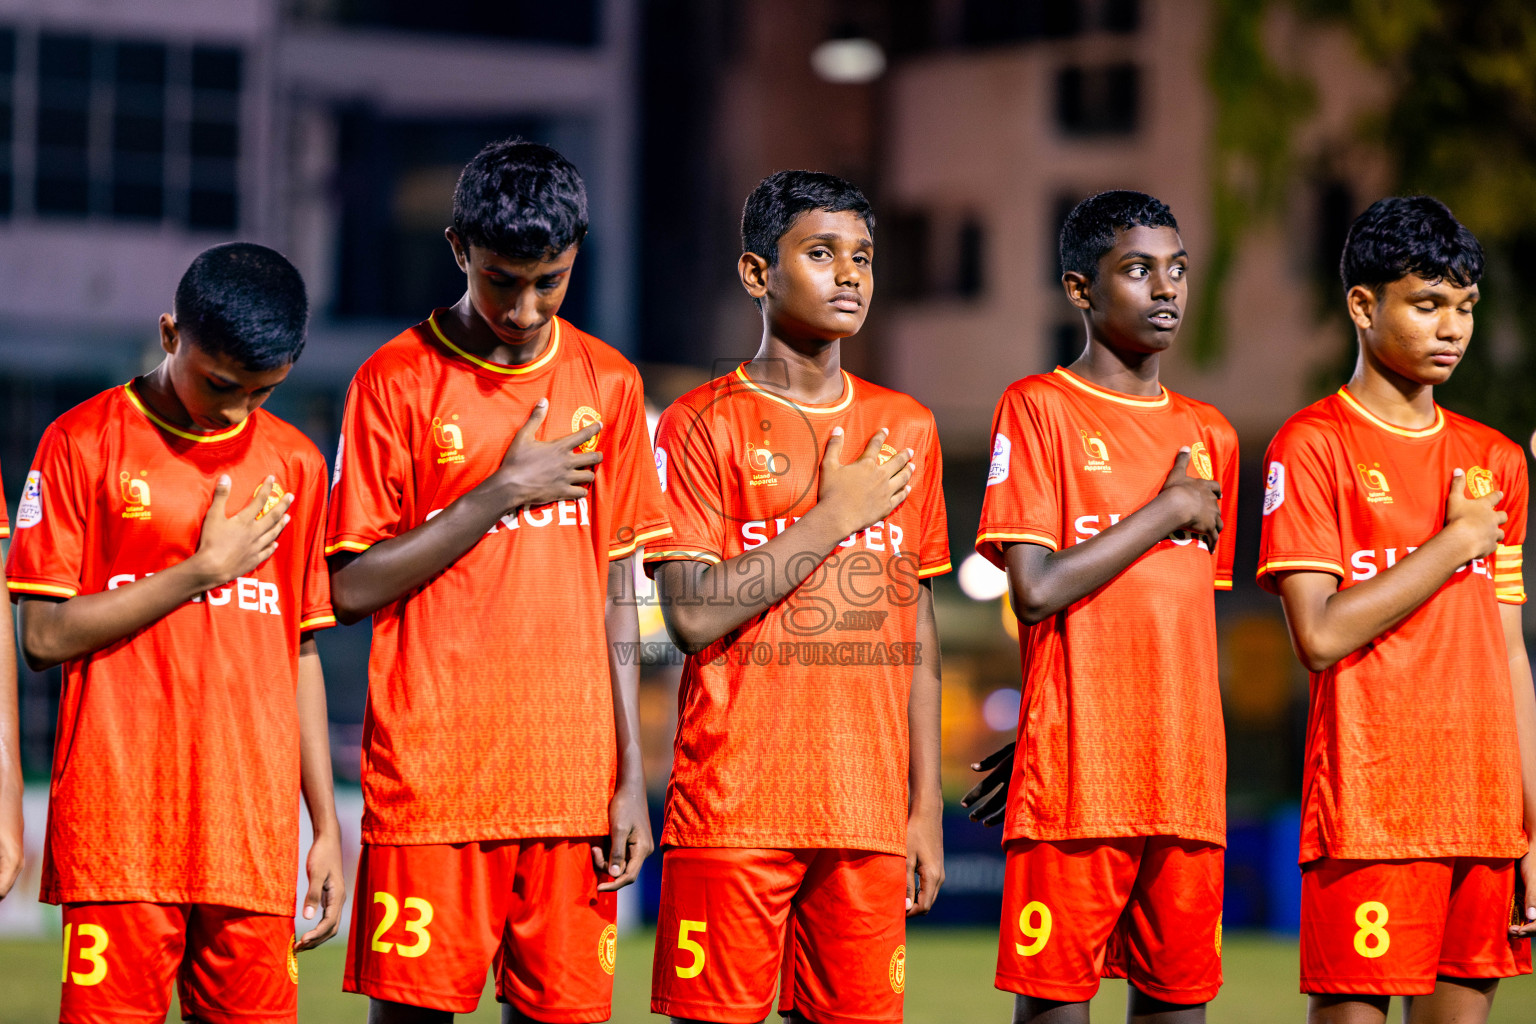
x=134, y=133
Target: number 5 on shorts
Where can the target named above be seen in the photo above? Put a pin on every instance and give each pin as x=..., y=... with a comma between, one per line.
x=696, y=968
x=1038, y=934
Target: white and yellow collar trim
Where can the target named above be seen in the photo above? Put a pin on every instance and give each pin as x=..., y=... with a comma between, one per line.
x=550, y=351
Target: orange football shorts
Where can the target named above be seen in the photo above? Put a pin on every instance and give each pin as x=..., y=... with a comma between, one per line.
x=1144, y=908
x=1390, y=927
x=228, y=965
x=427, y=921
x=829, y=926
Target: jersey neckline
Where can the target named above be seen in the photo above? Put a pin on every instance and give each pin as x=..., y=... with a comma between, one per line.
x=503, y=371
x=1353, y=403
x=1120, y=398
x=831, y=407
x=186, y=435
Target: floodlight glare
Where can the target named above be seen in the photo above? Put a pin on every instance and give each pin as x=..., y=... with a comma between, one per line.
x=980, y=580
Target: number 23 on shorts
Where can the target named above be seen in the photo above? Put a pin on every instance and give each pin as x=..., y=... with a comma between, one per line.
x=415, y=927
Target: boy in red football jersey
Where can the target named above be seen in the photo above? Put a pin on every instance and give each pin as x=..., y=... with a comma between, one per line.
x=803, y=812
x=1105, y=502
x=1392, y=533
x=494, y=480
x=147, y=560
x=10, y=743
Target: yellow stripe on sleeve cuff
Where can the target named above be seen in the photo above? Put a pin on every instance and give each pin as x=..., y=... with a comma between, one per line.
x=1292, y=564
x=22, y=587
x=318, y=622
x=672, y=554
x=933, y=570
x=354, y=546
x=1017, y=537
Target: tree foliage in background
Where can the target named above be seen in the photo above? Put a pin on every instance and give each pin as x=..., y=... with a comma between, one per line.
x=1460, y=125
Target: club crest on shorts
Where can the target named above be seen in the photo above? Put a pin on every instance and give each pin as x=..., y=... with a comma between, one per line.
x=1218, y=935
x=608, y=948
x=898, y=969
x=293, y=965
x=584, y=417
x=1200, y=461
x=1479, y=482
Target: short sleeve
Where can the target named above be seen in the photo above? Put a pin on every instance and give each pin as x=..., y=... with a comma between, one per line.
x=368, y=488
x=1022, y=503
x=933, y=553
x=631, y=485
x=690, y=484
x=48, y=546
x=316, y=603
x=1226, y=543
x=1301, y=529
x=1508, y=577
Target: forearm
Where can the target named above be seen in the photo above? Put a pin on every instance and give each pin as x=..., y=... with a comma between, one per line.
x=314, y=743
x=925, y=791
x=53, y=632
x=363, y=583
x=1355, y=616
x=1042, y=583
x=702, y=603
x=10, y=736
x=1523, y=691
x=622, y=627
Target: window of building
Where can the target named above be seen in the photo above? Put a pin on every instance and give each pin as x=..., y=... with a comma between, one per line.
x=921, y=254
x=1098, y=101
x=1002, y=22
x=571, y=22
x=126, y=129
x=7, y=117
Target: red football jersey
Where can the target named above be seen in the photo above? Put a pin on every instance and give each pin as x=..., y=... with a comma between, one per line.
x=1120, y=729
x=176, y=766
x=490, y=707
x=792, y=730
x=1411, y=747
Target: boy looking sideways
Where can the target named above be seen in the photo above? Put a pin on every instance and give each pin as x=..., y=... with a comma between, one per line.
x=803, y=812
x=1105, y=503
x=1392, y=533
x=493, y=481
x=148, y=560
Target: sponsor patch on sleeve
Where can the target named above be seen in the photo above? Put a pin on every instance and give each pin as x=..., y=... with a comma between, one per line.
x=30, y=511
x=1274, y=487
x=661, y=468
x=1002, y=451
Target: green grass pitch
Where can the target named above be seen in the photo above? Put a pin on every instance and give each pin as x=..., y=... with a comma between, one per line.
x=949, y=978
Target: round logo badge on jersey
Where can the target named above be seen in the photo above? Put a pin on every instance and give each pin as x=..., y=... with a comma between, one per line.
x=585, y=416
x=608, y=948
x=898, y=970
